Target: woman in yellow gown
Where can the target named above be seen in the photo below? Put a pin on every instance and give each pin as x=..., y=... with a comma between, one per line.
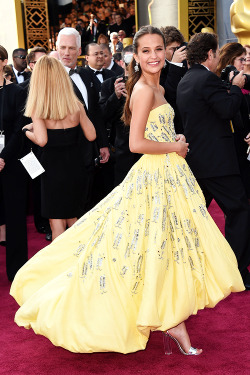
x=147, y=256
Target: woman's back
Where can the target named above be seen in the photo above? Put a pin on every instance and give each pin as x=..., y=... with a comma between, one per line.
x=70, y=121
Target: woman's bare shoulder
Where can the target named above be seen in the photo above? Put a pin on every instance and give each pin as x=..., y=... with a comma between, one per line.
x=142, y=91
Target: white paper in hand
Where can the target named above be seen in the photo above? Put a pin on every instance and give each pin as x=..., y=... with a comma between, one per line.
x=32, y=165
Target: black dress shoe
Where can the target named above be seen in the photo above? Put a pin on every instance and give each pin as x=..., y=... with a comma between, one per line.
x=41, y=228
x=48, y=237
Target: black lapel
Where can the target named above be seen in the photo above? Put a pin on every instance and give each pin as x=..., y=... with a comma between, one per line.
x=79, y=95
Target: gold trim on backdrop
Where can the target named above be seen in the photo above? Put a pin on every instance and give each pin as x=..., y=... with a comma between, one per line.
x=201, y=14
x=19, y=24
x=37, y=23
x=136, y=16
x=193, y=15
x=149, y=11
x=183, y=18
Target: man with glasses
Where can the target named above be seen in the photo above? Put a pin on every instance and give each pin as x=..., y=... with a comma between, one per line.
x=19, y=65
x=31, y=59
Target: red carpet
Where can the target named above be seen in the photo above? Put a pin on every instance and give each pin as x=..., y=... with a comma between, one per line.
x=223, y=333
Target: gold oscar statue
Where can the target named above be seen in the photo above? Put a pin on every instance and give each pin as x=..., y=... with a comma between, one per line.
x=240, y=20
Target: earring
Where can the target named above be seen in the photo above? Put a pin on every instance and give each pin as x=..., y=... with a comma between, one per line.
x=165, y=64
x=136, y=67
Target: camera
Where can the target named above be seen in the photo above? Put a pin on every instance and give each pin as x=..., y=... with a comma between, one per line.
x=125, y=78
x=226, y=80
x=184, y=44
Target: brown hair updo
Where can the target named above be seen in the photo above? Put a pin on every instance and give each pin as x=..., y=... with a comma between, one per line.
x=3, y=53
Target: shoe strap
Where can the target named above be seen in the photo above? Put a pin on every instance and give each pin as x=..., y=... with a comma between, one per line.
x=192, y=351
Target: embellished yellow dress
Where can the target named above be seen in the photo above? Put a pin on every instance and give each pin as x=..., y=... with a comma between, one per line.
x=145, y=258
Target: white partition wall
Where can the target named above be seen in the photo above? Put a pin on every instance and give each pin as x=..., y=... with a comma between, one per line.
x=11, y=26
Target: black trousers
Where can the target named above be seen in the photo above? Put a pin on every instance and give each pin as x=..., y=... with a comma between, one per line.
x=13, y=180
x=229, y=193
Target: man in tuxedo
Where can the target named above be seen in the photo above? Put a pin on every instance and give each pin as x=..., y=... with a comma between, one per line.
x=109, y=63
x=174, y=69
x=95, y=60
x=206, y=108
x=19, y=65
x=94, y=29
x=69, y=48
x=113, y=96
x=32, y=57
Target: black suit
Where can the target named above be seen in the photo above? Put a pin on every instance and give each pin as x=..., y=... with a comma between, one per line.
x=91, y=149
x=117, y=69
x=13, y=179
x=104, y=176
x=170, y=78
x=112, y=109
x=92, y=36
x=26, y=75
x=206, y=108
x=41, y=223
x=97, y=83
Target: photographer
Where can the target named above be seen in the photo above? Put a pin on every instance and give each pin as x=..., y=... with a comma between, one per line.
x=175, y=68
x=232, y=60
x=206, y=108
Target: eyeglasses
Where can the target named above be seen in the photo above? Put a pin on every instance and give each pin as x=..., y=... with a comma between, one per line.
x=20, y=57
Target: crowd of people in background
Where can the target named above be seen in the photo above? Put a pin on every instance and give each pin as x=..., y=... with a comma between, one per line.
x=111, y=20
x=105, y=33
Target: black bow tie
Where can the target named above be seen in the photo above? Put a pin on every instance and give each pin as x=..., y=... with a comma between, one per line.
x=20, y=74
x=98, y=72
x=74, y=71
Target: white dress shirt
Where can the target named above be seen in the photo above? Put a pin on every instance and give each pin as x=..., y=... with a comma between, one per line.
x=81, y=86
x=20, y=79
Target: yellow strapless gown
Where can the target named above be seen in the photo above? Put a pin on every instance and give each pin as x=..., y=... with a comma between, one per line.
x=145, y=258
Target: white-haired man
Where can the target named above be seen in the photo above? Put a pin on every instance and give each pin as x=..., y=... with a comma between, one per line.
x=69, y=48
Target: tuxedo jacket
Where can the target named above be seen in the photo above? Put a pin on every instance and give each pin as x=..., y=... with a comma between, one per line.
x=12, y=101
x=117, y=69
x=26, y=75
x=97, y=84
x=170, y=78
x=112, y=109
x=90, y=37
x=206, y=109
x=93, y=110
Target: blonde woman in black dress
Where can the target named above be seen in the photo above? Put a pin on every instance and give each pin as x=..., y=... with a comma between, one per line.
x=56, y=114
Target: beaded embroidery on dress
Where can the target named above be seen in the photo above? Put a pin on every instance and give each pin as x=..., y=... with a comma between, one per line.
x=145, y=258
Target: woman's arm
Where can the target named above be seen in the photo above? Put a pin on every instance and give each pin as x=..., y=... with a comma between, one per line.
x=140, y=113
x=86, y=125
x=37, y=132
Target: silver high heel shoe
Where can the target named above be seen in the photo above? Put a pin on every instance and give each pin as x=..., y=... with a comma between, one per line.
x=167, y=337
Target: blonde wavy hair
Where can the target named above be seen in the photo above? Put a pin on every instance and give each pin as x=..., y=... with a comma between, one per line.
x=51, y=94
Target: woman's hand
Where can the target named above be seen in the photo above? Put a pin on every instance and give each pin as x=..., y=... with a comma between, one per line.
x=182, y=148
x=247, y=139
x=2, y=164
x=180, y=137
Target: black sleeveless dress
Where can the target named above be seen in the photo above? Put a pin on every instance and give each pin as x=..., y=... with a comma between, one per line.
x=62, y=182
